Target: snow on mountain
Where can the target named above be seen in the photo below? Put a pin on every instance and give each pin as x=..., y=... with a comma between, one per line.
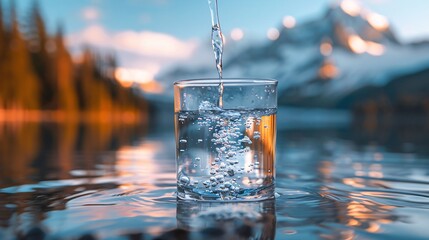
x=346, y=49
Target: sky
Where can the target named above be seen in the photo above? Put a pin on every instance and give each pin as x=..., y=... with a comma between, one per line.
x=149, y=35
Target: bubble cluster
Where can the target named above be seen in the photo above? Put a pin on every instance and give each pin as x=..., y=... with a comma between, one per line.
x=217, y=149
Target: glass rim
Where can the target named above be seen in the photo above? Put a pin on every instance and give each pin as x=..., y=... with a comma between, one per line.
x=226, y=81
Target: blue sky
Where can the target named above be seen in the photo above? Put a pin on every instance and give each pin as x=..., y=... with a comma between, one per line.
x=189, y=18
x=183, y=26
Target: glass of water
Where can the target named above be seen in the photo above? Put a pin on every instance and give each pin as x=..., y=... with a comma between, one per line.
x=225, y=153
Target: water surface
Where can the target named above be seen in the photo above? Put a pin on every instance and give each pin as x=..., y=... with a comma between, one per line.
x=359, y=181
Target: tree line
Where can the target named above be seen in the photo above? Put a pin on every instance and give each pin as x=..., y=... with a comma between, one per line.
x=37, y=71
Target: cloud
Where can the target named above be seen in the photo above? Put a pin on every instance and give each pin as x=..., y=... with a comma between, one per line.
x=90, y=14
x=148, y=51
x=154, y=44
x=146, y=43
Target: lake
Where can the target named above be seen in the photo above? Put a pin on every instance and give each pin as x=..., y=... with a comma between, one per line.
x=351, y=179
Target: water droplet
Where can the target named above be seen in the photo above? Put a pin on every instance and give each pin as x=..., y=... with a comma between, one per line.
x=183, y=141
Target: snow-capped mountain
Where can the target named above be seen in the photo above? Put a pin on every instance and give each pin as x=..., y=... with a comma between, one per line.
x=322, y=61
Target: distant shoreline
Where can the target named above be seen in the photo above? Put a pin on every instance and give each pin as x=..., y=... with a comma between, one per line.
x=121, y=116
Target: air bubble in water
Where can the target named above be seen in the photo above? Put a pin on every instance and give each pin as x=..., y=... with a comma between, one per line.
x=184, y=180
x=245, y=139
x=256, y=135
x=230, y=172
x=222, y=165
x=206, y=183
x=219, y=178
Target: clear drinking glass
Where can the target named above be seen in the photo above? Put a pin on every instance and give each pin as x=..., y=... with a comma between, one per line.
x=228, y=153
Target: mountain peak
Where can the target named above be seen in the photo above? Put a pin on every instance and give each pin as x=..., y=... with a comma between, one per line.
x=355, y=19
x=348, y=25
x=350, y=7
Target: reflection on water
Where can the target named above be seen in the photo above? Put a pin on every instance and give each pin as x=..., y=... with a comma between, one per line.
x=32, y=152
x=110, y=180
x=247, y=220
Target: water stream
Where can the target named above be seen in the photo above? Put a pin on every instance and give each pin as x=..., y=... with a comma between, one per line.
x=217, y=43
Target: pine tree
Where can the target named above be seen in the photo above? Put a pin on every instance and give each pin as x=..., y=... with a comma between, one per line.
x=22, y=85
x=38, y=42
x=93, y=93
x=64, y=76
x=3, y=48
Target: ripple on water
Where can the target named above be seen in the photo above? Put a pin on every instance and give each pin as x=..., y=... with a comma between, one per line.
x=341, y=192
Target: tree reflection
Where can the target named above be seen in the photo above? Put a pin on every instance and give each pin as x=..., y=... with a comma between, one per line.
x=32, y=152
